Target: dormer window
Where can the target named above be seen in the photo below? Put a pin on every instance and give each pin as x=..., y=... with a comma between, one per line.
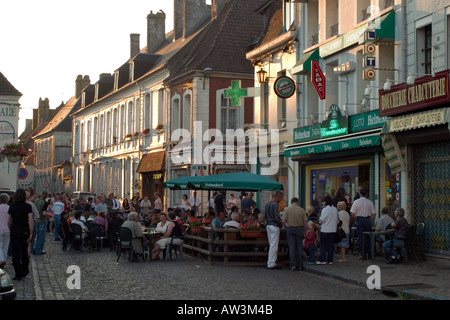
x=288, y=14
x=83, y=99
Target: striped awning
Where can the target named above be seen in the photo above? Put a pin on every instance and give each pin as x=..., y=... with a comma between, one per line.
x=394, y=154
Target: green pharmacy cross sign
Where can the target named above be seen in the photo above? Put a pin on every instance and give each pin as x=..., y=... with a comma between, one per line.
x=235, y=93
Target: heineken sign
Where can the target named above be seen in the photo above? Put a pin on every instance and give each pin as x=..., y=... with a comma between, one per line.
x=326, y=129
x=284, y=87
x=334, y=146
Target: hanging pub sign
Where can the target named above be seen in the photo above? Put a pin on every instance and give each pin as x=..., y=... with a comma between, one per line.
x=284, y=87
x=425, y=92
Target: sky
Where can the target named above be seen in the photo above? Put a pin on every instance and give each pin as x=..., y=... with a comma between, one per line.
x=45, y=44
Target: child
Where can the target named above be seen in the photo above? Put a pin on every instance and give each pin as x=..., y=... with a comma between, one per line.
x=345, y=218
x=312, y=215
x=310, y=241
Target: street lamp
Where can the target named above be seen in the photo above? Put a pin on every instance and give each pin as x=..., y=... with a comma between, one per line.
x=262, y=75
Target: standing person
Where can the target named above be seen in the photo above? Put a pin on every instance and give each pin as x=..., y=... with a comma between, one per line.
x=4, y=228
x=363, y=212
x=110, y=205
x=211, y=201
x=273, y=225
x=21, y=224
x=248, y=202
x=344, y=217
x=232, y=202
x=58, y=208
x=195, y=202
x=158, y=203
x=145, y=206
x=219, y=202
x=295, y=219
x=40, y=226
x=329, y=218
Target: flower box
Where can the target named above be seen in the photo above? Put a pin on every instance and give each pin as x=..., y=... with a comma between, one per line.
x=250, y=233
x=128, y=137
x=136, y=134
x=146, y=131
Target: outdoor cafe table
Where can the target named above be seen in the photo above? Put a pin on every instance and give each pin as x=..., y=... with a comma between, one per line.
x=150, y=235
x=372, y=234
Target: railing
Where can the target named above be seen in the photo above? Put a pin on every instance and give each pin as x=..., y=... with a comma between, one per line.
x=225, y=245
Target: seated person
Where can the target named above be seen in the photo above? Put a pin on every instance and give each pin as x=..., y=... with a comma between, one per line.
x=84, y=229
x=247, y=214
x=173, y=230
x=234, y=223
x=381, y=225
x=261, y=219
x=114, y=225
x=399, y=226
x=136, y=234
x=218, y=222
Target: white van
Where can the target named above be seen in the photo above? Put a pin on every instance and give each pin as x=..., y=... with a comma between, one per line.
x=78, y=194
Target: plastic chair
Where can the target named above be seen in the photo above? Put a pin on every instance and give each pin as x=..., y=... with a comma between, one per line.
x=408, y=244
x=171, y=246
x=125, y=238
x=96, y=236
x=77, y=235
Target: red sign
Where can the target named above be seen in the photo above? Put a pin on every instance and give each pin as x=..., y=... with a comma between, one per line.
x=425, y=92
x=318, y=79
x=45, y=185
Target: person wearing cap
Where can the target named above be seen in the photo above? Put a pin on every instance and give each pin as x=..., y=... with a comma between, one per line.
x=363, y=212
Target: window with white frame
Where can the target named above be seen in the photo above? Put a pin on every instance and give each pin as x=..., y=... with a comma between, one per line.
x=228, y=114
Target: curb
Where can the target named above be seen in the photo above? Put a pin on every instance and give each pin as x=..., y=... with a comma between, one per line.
x=345, y=278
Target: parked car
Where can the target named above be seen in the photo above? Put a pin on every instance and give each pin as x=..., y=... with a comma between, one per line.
x=9, y=192
x=7, y=291
x=78, y=194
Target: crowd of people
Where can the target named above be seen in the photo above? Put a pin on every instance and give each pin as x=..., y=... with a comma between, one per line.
x=25, y=220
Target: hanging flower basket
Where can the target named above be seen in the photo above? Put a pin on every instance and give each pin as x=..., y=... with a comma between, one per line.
x=159, y=127
x=13, y=152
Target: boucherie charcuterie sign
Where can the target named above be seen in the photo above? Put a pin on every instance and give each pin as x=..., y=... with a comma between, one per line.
x=425, y=92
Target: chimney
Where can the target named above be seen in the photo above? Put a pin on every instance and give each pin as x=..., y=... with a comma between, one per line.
x=134, y=44
x=188, y=14
x=216, y=7
x=156, y=30
x=43, y=111
x=81, y=83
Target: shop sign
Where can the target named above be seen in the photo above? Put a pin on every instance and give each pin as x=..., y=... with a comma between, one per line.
x=8, y=111
x=318, y=79
x=334, y=146
x=335, y=125
x=425, y=92
x=366, y=121
x=307, y=133
x=423, y=119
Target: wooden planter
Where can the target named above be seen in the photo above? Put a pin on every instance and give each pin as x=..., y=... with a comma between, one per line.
x=250, y=233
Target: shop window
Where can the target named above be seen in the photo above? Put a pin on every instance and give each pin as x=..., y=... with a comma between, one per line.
x=327, y=180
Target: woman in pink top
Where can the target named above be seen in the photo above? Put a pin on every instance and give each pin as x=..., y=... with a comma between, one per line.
x=158, y=203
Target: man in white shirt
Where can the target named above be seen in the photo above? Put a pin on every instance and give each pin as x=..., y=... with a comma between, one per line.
x=234, y=223
x=363, y=212
x=58, y=208
x=195, y=202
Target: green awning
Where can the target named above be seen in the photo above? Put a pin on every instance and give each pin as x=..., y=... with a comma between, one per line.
x=238, y=181
x=333, y=145
x=180, y=183
x=303, y=65
x=387, y=26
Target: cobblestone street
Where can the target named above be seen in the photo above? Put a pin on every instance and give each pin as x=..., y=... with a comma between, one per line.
x=102, y=278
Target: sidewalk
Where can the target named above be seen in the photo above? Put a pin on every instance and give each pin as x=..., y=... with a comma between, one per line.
x=429, y=280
